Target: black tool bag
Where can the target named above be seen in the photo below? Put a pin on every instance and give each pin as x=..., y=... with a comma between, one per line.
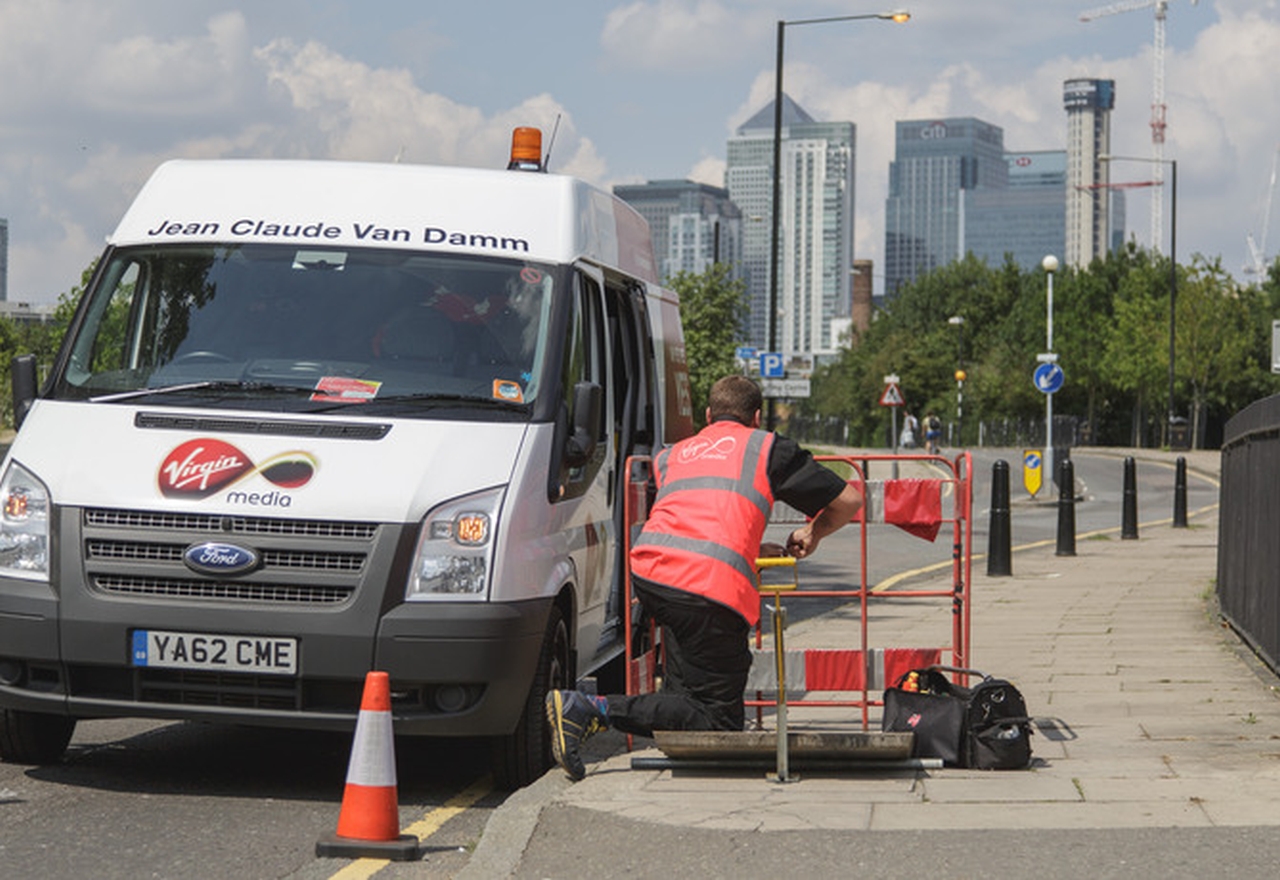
x=985, y=727
x=997, y=728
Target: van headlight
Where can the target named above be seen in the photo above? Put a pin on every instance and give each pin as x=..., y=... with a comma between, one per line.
x=455, y=549
x=24, y=525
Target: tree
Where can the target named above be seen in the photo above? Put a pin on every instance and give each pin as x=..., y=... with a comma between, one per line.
x=713, y=308
x=42, y=339
x=1214, y=343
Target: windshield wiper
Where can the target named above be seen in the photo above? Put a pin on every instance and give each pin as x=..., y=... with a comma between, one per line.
x=428, y=400
x=210, y=385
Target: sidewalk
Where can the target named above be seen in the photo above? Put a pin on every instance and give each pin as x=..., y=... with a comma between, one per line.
x=1159, y=718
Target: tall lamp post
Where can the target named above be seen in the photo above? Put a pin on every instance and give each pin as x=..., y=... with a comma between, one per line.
x=899, y=16
x=1173, y=267
x=957, y=321
x=1050, y=265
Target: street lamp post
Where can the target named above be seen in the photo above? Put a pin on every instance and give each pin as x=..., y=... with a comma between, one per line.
x=1173, y=269
x=957, y=321
x=899, y=16
x=1050, y=265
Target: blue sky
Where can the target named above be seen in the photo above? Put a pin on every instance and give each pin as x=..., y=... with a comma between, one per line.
x=97, y=93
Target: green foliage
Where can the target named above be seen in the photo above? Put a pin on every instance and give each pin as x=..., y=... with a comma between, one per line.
x=1111, y=334
x=713, y=308
x=39, y=338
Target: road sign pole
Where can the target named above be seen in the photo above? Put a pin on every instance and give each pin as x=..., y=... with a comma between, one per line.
x=1050, y=265
x=894, y=411
x=1048, y=436
x=1048, y=378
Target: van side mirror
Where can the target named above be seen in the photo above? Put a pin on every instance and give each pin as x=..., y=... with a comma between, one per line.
x=22, y=373
x=588, y=403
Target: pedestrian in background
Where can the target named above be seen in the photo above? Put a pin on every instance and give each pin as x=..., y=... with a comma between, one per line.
x=693, y=570
x=932, y=433
x=910, y=430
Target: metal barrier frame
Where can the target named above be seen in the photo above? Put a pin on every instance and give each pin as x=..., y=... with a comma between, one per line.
x=961, y=475
x=643, y=659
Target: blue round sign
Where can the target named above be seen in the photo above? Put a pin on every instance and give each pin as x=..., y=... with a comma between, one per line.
x=1048, y=378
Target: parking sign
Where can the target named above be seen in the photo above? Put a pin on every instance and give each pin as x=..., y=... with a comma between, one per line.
x=771, y=365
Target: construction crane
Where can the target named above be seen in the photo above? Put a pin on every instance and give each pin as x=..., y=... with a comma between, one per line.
x=1157, y=100
x=1258, y=248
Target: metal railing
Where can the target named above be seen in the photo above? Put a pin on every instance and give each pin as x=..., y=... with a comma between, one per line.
x=1249, y=520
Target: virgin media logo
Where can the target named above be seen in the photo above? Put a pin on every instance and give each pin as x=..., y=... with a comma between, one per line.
x=697, y=449
x=199, y=468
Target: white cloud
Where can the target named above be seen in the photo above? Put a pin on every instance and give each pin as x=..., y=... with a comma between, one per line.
x=675, y=35
x=709, y=170
x=132, y=100
x=98, y=92
x=184, y=76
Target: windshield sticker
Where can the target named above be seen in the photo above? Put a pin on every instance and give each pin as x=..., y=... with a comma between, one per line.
x=504, y=389
x=343, y=389
x=200, y=468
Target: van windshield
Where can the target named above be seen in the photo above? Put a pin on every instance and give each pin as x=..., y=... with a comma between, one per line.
x=307, y=330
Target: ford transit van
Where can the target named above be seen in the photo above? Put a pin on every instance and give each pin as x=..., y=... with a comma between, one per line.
x=313, y=419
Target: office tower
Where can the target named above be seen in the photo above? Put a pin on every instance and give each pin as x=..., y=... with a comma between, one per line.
x=936, y=162
x=693, y=225
x=815, y=232
x=1088, y=103
x=1026, y=219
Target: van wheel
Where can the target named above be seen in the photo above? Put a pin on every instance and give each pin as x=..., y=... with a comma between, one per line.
x=525, y=754
x=34, y=737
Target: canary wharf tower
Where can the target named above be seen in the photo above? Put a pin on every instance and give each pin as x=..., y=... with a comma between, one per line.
x=816, y=229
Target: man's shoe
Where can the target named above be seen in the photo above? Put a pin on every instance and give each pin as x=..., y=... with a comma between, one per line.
x=573, y=718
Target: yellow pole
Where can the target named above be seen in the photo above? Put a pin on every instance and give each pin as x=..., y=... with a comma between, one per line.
x=779, y=650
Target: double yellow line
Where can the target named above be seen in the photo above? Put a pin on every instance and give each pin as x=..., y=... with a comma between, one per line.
x=423, y=828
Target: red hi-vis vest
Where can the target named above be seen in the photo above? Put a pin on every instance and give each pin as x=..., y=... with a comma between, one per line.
x=703, y=534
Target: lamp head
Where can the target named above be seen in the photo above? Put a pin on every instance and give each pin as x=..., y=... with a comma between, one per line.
x=1049, y=263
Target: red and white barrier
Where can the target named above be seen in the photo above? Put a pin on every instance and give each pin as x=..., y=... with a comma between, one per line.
x=837, y=669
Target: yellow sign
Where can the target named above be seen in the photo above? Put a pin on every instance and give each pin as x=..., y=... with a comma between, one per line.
x=1032, y=468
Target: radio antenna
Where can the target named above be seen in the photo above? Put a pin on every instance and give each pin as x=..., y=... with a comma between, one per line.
x=546, y=163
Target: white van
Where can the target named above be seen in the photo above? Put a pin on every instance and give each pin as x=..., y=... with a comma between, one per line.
x=317, y=418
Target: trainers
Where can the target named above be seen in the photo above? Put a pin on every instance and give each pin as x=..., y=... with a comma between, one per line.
x=573, y=718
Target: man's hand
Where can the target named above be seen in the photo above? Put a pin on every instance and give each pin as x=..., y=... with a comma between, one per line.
x=801, y=542
x=804, y=541
x=769, y=550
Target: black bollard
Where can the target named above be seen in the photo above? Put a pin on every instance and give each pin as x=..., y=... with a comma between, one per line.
x=1066, y=508
x=1180, y=494
x=999, y=538
x=1129, y=514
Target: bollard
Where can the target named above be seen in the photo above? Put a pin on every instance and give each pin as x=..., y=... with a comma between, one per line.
x=1180, y=494
x=1066, y=508
x=999, y=538
x=1129, y=513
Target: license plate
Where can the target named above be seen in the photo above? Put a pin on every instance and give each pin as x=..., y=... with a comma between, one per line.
x=271, y=655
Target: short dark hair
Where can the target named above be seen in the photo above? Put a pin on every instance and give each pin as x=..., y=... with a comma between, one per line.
x=734, y=397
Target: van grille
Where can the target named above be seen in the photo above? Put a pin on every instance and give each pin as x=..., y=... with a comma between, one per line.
x=301, y=562
x=198, y=688
x=312, y=561
x=231, y=591
x=236, y=525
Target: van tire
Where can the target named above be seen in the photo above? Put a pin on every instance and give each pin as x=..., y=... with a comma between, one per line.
x=34, y=737
x=522, y=756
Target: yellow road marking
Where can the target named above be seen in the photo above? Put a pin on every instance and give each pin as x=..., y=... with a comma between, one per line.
x=361, y=869
x=893, y=580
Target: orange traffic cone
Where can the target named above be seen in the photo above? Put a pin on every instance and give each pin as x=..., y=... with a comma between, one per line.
x=369, y=823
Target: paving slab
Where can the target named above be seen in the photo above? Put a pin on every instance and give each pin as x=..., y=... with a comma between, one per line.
x=1149, y=713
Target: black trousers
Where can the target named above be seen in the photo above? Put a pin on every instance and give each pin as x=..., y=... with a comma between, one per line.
x=707, y=661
